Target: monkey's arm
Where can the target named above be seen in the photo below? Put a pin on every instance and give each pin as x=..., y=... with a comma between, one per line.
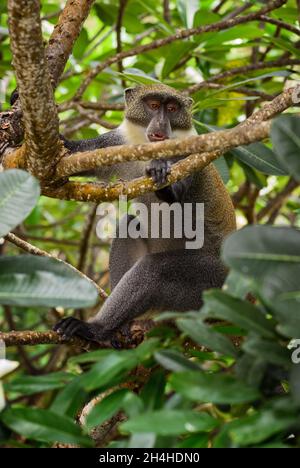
x=112, y=138
x=159, y=170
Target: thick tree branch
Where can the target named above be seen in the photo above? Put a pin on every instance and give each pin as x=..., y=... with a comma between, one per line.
x=80, y=162
x=42, y=144
x=64, y=36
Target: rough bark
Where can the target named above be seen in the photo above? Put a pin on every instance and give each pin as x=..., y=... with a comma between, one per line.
x=36, y=95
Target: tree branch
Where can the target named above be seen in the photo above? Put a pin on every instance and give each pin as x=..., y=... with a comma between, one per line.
x=64, y=36
x=81, y=162
x=42, y=143
x=280, y=63
x=138, y=330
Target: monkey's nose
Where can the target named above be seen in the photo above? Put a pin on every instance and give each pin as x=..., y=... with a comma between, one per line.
x=157, y=136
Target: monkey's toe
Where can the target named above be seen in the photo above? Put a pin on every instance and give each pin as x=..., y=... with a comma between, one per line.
x=159, y=170
x=71, y=326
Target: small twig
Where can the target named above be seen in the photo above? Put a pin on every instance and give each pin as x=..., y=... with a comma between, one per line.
x=277, y=202
x=280, y=63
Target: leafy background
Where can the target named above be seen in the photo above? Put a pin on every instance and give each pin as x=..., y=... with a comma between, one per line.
x=225, y=378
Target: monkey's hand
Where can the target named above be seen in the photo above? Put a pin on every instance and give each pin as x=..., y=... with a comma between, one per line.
x=159, y=169
x=71, y=326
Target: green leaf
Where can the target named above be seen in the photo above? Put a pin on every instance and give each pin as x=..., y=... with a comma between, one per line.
x=205, y=336
x=176, y=53
x=69, y=401
x=170, y=422
x=261, y=158
x=27, y=280
x=270, y=351
x=174, y=361
x=153, y=393
x=187, y=11
x=43, y=425
x=258, y=427
x=28, y=385
x=239, y=312
x=258, y=250
x=285, y=135
x=19, y=193
x=295, y=382
x=81, y=44
x=195, y=441
x=109, y=369
x=223, y=169
x=212, y=388
x=138, y=76
x=106, y=408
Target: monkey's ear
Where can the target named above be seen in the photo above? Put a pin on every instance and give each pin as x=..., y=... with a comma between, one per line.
x=129, y=94
x=190, y=101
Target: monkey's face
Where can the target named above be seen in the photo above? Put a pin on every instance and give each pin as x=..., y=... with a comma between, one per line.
x=159, y=109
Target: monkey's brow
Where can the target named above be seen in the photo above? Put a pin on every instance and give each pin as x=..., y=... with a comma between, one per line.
x=165, y=98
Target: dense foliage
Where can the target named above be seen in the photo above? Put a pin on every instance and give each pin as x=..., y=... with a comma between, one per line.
x=229, y=374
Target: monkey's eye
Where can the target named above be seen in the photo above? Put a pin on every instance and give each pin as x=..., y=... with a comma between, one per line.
x=153, y=104
x=172, y=107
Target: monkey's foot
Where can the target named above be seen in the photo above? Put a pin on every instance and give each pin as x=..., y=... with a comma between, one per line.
x=159, y=170
x=71, y=326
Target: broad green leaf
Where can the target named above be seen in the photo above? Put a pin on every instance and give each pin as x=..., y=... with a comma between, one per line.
x=212, y=388
x=177, y=52
x=223, y=169
x=195, y=441
x=258, y=250
x=270, y=351
x=109, y=369
x=174, y=361
x=19, y=193
x=258, y=427
x=81, y=44
x=106, y=408
x=187, y=11
x=43, y=425
x=138, y=76
x=295, y=381
x=237, y=285
x=239, y=312
x=260, y=157
x=70, y=400
x=205, y=336
x=170, y=422
x=248, y=31
x=28, y=385
x=27, y=280
x=285, y=135
x=153, y=393
x=251, y=370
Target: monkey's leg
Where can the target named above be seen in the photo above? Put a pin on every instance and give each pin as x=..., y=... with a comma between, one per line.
x=125, y=252
x=163, y=281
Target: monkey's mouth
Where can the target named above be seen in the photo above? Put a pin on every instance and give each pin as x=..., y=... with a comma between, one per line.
x=157, y=136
